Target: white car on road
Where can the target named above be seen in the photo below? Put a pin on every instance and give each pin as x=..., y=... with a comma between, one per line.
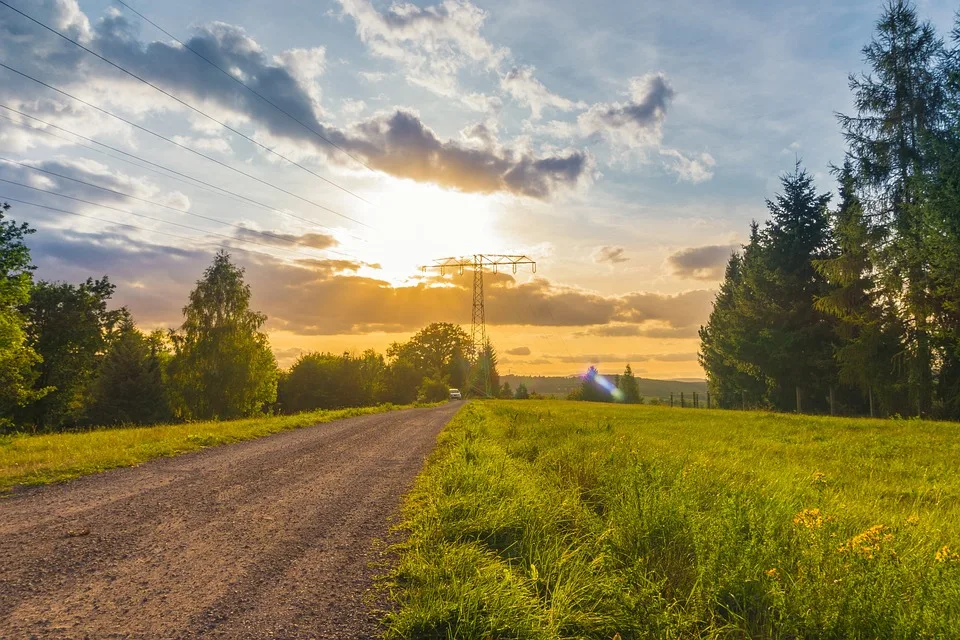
x=455, y=394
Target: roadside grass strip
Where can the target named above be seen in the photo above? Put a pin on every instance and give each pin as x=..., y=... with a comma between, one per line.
x=47, y=458
x=549, y=519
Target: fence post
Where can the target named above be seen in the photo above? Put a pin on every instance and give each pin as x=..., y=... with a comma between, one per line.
x=682, y=403
x=708, y=399
x=831, y=401
x=671, y=399
x=798, y=400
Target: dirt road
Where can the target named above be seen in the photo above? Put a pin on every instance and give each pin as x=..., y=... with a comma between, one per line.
x=269, y=538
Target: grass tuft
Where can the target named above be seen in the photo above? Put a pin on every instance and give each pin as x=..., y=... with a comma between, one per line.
x=571, y=520
x=43, y=459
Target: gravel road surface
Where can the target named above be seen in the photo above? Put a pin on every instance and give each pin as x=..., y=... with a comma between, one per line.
x=269, y=538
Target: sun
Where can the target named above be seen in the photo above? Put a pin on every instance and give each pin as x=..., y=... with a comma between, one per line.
x=415, y=223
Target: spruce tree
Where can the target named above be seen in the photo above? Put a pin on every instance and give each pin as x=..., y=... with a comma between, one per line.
x=899, y=109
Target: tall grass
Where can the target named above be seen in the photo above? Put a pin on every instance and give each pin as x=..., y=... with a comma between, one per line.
x=571, y=520
x=42, y=459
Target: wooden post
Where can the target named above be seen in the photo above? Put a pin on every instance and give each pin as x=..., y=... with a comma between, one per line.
x=708, y=399
x=870, y=394
x=831, y=401
x=694, y=399
x=799, y=408
x=671, y=398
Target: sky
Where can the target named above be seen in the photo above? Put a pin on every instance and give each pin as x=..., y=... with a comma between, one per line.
x=336, y=146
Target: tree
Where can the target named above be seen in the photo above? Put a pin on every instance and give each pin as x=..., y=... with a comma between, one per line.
x=222, y=365
x=899, y=109
x=868, y=333
x=765, y=336
x=484, y=378
x=328, y=381
x=521, y=393
x=506, y=391
x=590, y=389
x=17, y=356
x=432, y=390
x=71, y=328
x=129, y=386
x=629, y=387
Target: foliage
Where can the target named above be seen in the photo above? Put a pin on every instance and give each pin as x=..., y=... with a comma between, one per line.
x=129, y=387
x=433, y=390
x=72, y=329
x=521, y=393
x=327, y=381
x=569, y=520
x=17, y=356
x=437, y=351
x=627, y=384
x=222, y=366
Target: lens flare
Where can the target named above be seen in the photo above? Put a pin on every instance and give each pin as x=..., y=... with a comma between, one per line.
x=594, y=376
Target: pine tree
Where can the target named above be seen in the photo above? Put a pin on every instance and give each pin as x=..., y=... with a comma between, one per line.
x=129, y=386
x=868, y=333
x=629, y=387
x=899, y=108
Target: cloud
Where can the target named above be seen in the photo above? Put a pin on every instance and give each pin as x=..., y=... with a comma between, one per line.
x=433, y=43
x=326, y=297
x=636, y=123
x=596, y=358
x=527, y=90
x=400, y=144
x=695, y=169
x=701, y=263
x=651, y=329
x=609, y=254
x=286, y=240
x=396, y=142
x=518, y=351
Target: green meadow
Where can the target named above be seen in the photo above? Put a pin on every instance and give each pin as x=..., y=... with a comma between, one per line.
x=549, y=519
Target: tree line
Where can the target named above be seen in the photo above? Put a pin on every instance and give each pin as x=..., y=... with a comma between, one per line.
x=855, y=308
x=68, y=360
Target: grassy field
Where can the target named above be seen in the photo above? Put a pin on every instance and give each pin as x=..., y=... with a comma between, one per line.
x=42, y=459
x=569, y=520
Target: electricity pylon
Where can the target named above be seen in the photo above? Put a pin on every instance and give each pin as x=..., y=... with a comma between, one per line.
x=478, y=323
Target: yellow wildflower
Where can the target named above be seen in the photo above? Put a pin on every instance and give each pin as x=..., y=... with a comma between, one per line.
x=809, y=518
x=913, y=519
x=820, y=480
x=946, y=555
x=773, y=573
x=868, y=543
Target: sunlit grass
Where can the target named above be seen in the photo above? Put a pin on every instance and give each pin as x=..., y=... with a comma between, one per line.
x=41, y=459
x=570, y=520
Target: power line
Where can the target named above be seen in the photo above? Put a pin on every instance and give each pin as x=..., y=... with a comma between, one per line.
x=182, y=146
x=72, y=142
x=245, y=85
x=139, y=215
x=228, y=192
x=185, y=103
x=241, y=228
x=122, y=224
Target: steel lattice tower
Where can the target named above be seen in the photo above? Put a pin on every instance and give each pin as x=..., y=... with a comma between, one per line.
x=478, y=324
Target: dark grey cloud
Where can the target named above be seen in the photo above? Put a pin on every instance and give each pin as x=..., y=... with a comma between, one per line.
x=683, y=310
x=286, y=240
x=325, y=297
x=636, y=122
x=610, y=254
x=701, y=263
x=518, y=351
x=396, y=142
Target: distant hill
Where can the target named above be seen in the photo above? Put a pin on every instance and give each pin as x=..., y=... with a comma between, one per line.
x=560, y=386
